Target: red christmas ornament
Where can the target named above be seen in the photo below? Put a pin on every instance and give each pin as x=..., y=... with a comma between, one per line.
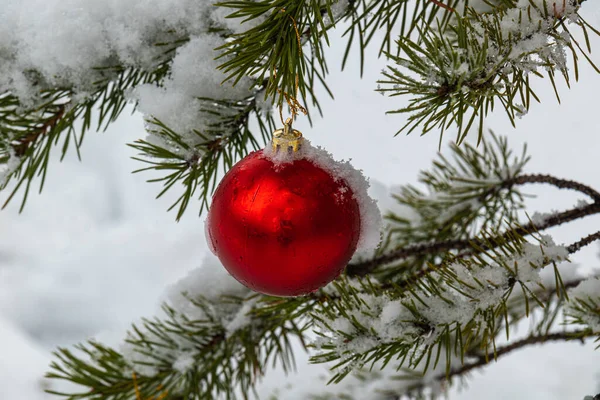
x=284, y=229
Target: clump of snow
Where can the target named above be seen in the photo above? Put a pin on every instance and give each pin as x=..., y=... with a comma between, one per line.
x=210, y=282
x=193, y=75
x=528, y=41
x=370, y=215
x=539, y=218
x=264, y=104
x=241, y=318
x=338, y=8
x=67, y=44
x=582, y=203
x=73, y=44
x=528, y=28
x=185, y=362
x=521, y=111
x=10, y=167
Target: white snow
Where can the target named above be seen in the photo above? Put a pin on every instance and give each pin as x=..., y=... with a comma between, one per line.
x=210, y=281
x=528, y=27
x=540, y=218
x=193, y=75
x=264, y=104
x=240, y=318
x=9, y=167
x=206, y=284
x=63, y=41
x=22, y=364
x=184, y=362
x=74, y=43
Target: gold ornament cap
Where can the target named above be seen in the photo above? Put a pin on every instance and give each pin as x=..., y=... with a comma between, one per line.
x=287, y=138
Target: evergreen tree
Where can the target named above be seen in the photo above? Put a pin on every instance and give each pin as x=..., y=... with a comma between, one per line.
x=457, y=268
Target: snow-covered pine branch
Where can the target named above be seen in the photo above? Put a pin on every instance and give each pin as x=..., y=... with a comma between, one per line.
x=456, y=73
x=205, y=344
x=64, y=71
x=155, y=56
x=450, y=308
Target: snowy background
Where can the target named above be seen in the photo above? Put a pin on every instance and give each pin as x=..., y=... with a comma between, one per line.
x=95, y=251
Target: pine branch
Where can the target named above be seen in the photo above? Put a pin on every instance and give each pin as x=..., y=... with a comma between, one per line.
x=193, y=161
x=457, y=202
x=574, y=247
x=467, y=67
x=358, y=304
x=159, y=343
x=272, y=51
x=417, y=276
x=32, y=133
x=364, y=268
x=354, y=318
x=192, y=357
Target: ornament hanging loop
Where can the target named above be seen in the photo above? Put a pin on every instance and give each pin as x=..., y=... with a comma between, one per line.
x=287, y=138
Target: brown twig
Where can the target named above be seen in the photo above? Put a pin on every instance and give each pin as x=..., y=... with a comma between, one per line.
x=442, y=5
x=531, y=340
x=484, y=359
x=556, y=182
x=583, y=242
x=22, y=144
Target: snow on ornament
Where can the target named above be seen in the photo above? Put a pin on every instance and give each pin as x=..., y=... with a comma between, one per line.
x=285, y=220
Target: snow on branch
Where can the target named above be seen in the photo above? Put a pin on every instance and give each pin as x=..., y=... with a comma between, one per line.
x=456, y=73
x=452, y=306
x=471, y=190
x=62, y=64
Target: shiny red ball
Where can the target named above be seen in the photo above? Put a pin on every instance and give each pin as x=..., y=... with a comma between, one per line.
x=284, y=230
